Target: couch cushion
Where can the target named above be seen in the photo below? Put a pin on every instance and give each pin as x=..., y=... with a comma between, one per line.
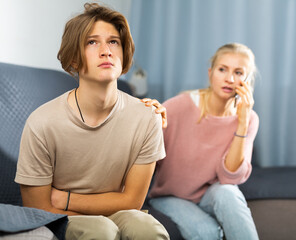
x=9, y=190
x=41, y=233
x=271, y=182
x=14, y=219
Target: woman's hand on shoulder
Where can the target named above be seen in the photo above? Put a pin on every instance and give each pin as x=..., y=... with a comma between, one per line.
x=159, y=109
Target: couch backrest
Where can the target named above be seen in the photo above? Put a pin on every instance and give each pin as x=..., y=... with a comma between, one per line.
x=22, y=90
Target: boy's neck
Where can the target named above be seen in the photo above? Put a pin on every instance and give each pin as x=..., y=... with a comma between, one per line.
x=95, y=102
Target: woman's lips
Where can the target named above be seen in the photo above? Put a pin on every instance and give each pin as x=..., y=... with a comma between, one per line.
x=227, y=89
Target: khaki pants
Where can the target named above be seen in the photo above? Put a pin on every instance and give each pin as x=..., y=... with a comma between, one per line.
x=125, y=225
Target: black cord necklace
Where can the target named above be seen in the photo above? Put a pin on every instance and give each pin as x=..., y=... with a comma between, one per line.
x=78, y=106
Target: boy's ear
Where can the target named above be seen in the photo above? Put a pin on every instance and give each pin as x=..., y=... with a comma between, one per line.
x=74, y=65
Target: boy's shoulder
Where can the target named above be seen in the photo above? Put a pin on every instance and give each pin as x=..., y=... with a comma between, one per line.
x=134, y=107
x=131, y=102
x=46, y=110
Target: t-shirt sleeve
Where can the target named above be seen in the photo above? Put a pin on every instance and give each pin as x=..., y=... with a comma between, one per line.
x=152, y=149
x=243, y=172
x=34, y=167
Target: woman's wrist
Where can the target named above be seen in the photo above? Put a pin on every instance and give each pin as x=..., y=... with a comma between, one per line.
x=241, y=136
x=242, y=129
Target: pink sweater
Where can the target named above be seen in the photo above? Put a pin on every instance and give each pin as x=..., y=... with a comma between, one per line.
x=195, y=152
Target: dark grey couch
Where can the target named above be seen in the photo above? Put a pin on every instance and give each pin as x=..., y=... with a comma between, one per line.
x=271, y=192
x=271, y=196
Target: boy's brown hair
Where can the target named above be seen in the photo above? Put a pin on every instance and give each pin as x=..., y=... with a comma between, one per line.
x=71, y=53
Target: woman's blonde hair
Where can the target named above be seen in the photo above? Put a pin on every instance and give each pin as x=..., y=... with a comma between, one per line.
x=227, y=48
x=77, y=29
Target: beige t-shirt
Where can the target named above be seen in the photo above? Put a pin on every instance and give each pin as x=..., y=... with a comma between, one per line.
x=58, y=148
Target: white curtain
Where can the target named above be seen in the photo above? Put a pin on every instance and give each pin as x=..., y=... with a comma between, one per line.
x=176, y=38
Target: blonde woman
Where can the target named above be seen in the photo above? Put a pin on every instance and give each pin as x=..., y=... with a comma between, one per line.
x=209, y=141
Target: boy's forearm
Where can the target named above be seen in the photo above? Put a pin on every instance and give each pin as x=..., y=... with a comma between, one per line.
x=102, y=204
x=39, y=197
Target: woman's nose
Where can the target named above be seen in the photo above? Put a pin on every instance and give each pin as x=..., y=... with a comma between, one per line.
x=230, y=78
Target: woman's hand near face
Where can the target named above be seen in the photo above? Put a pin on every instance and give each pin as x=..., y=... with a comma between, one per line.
x=235, y=155
x=159, y=109
x=245, y=104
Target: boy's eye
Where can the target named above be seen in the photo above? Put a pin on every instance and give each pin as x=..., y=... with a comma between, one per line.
x=91, y=42
x=114, y=42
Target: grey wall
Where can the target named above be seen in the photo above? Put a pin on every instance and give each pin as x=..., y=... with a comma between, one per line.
x=31, y=30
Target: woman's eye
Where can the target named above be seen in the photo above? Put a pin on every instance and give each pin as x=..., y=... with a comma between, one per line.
x=239, y=73
x=221, y=69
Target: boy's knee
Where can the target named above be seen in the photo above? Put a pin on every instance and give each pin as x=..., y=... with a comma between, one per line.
x=91, y=227
x=143, y=226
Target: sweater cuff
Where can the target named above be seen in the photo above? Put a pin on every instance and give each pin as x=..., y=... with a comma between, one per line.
x=239, y=176
x=235, y=174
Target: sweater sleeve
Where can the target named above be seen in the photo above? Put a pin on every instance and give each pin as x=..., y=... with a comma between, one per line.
x=243, y=172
